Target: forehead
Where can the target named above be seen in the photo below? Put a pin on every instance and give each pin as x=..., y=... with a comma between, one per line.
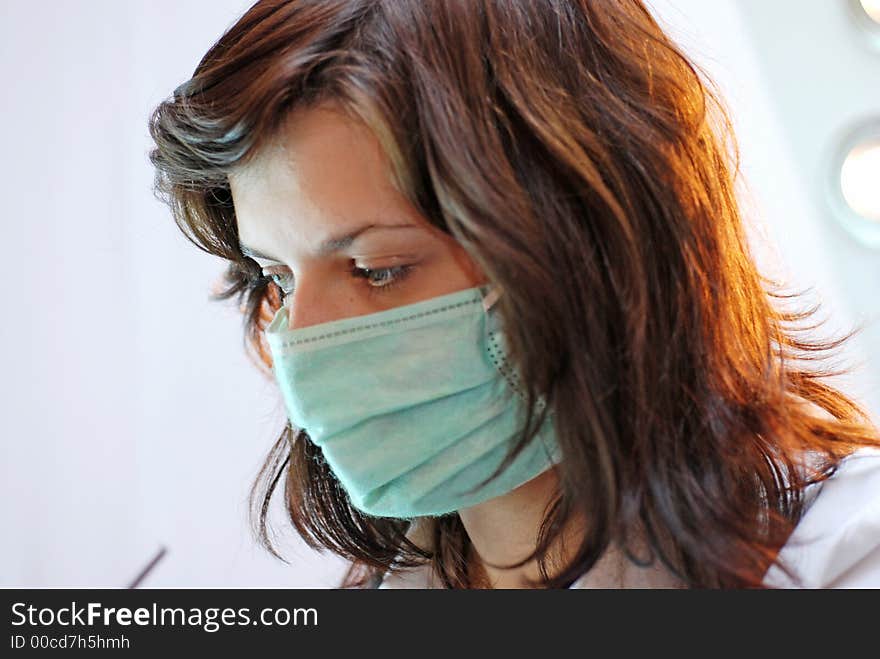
x=322, y=165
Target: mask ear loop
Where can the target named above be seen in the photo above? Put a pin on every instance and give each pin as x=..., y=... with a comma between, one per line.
x=491, y=297
x=551, y=449
x=490, y=335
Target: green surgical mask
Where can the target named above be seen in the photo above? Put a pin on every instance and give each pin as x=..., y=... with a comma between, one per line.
x=413, y=407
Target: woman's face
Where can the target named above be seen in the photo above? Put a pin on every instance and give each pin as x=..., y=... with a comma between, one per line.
x=317, y=210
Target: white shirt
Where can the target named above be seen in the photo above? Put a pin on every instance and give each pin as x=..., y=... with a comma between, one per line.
x=836, y=544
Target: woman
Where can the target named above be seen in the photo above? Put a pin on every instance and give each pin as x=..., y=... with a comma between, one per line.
x=492, y=255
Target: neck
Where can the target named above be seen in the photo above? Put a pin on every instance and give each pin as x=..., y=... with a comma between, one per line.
x=504, y=531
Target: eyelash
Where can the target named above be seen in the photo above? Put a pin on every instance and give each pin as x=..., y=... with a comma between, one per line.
x=397, y=272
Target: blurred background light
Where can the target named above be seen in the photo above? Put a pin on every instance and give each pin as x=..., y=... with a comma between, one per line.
x=867, y=14
x=855, y=182
x=859, y=179
x=872, y=9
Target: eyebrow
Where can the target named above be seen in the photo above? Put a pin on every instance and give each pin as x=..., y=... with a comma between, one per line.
x=333, y=244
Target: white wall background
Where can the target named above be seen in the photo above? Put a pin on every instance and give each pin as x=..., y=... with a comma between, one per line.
x=131, y=415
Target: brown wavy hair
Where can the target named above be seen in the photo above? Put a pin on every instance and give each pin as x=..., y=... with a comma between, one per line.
x=588, y=167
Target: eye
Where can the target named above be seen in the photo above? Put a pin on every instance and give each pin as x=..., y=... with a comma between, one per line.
x=382, y=278
x=283, y=280
x=376, y=280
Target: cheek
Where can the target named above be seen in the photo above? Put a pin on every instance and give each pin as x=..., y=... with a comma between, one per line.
x=468, y=266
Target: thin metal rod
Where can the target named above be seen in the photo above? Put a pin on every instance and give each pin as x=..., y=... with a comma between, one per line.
x=148, y=568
